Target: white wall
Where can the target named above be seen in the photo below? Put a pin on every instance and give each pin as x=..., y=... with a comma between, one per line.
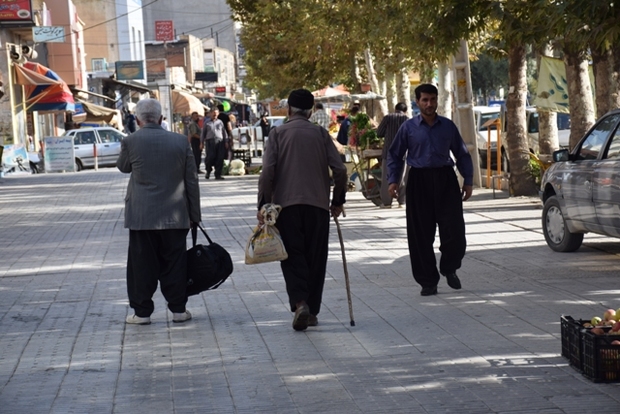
x=130, y=31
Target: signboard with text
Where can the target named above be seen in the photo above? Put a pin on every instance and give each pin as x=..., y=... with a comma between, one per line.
x=16, y=12
x=164, y=30
x=59, y=154
x=129, y=70
x=48, y=34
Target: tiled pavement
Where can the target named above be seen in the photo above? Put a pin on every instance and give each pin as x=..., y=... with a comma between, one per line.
x=492, y=347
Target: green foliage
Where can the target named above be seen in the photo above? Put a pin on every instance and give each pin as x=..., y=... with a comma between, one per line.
x=489, y=74
x=361, y=133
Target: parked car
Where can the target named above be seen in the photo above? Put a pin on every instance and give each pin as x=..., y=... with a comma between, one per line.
x=108, y=142
x=581, y=190
x=563, y=124
x=246, y=134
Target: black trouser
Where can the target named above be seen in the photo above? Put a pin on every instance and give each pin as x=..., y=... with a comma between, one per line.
x=216, y=151
x=434, y=199
x=305, y=233
x=195, y=143
x=157, y=255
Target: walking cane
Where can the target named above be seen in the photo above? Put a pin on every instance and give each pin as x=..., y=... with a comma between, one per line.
x=346, y=271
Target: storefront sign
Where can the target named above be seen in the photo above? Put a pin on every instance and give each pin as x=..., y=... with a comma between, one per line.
x=129, y=70
x=48, y=34
x=164, y=30
x=16, y=11
x=59, y=154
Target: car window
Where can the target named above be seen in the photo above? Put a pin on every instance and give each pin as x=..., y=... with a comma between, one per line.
x=593, y=143
x=85, y=137
x=484, y=118
x=613, y=152
x=108, y=135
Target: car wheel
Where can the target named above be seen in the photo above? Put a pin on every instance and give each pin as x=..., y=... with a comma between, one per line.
x=78, y=165
x=557, y=235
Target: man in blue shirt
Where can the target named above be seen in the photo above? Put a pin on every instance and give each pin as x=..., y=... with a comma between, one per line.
x=433, y=194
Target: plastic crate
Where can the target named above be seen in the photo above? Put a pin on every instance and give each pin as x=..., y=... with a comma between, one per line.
x=244, y=155
x=572, y=348
x=601, y=359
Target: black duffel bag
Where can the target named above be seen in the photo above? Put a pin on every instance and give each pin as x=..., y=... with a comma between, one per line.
x=207, y=266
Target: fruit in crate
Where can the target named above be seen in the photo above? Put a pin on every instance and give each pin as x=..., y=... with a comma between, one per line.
x=610, y=322
x=596, y=321
x=597, y=331
x=609, y=314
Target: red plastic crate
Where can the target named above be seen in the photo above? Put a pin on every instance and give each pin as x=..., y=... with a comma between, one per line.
x=601, y=359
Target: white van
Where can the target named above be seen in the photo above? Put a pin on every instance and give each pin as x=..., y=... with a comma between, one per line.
x=563, y=121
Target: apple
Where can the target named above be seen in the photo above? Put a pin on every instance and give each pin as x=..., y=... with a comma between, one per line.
x=616, y=327
x=610, y=322
x=609, y=314
x=597, y=331
x=618, y=311
x=615, y=343
x=596, y=320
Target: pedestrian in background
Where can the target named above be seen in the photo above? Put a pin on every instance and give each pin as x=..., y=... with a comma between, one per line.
x=387, y=129
x=295, y=175
x=434, y=198
x=162, y=201
x=343, y=132
x=193, y=132
x=320, y=117
x=264, y=126
x=164, y=124
x=228, y=142
x=214, y=137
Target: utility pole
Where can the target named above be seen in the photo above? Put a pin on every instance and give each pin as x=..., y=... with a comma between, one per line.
x=463, y=99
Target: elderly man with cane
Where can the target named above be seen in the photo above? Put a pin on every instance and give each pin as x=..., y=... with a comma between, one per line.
x=295, y=175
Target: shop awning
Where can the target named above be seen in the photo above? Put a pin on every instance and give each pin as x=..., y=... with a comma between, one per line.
x=131, y=86
x=98, y=113
x=183, y=103
x=77, y=91
x=45, y=90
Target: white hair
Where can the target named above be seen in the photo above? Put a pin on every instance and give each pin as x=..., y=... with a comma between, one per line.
x=304, y=112
x=148, y=111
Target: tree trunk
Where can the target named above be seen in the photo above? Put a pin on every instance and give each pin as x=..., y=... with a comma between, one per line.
x=444, y=106
x=579, y=96
x=355, y=73
x=615, y=77
x=379, y=105
x=404, y=88
x=601, y=62
x=547, y=132
x=391, y=92
x=547, y=121
x=522, y=181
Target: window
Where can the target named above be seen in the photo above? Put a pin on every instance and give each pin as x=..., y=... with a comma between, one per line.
x=593, y=143
x=86, y=137
x=613, y=152
x=484, y=118
x=108, y=136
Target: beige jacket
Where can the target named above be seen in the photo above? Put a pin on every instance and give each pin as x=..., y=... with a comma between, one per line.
x=296, y=167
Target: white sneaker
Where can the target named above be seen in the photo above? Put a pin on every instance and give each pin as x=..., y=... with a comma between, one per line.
x=181, y=317
x=136, y=320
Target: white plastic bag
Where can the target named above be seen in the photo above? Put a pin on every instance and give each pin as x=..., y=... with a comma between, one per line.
x=265, y=244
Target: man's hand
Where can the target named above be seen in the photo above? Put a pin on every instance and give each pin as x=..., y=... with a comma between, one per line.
x=336, y=211
x=393, y=190
x=261, y=219
x=466, y=193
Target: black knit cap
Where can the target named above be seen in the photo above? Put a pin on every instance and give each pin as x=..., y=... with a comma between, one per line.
x=301, y=98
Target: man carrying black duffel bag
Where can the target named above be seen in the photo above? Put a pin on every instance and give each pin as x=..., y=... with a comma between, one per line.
x=159, y=206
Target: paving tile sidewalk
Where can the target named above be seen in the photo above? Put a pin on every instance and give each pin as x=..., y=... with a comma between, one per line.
x=492, y=347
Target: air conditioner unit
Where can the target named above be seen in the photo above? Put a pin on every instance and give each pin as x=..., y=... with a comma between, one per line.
x=99, y=65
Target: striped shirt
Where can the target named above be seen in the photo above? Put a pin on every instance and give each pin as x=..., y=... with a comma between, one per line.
x=321, y=118
x=388, y=128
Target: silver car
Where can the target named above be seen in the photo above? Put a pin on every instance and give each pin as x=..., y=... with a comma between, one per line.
x=581, y=190
x=106, y=139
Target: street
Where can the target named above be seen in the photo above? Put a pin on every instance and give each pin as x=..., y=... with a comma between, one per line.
x=492, y=347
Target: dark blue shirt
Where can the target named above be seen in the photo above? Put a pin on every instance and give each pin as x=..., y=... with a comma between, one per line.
x=343, y=132
x=429, y=146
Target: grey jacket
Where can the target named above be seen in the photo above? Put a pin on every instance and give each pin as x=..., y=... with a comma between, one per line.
x=296, y=166
x=163, y=190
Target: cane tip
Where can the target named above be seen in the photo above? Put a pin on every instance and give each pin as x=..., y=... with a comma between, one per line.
x=352, y=323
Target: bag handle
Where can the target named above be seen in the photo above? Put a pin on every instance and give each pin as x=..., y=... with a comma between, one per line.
x=195, y=227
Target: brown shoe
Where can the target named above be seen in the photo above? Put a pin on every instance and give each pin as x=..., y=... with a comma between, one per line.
x=302, y=314
x=313, y=320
